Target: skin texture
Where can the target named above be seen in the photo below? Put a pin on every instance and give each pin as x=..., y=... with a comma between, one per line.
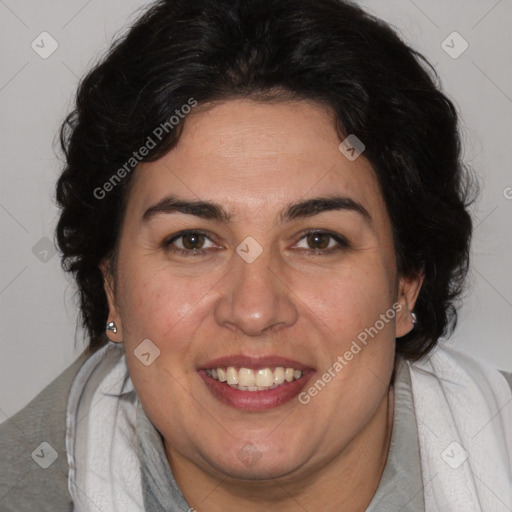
x=254, y=159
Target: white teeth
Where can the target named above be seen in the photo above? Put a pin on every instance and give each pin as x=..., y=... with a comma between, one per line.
x=265, y=378
x=253, y=388
x=279, y=375
x=247, y=379
x=231, y=376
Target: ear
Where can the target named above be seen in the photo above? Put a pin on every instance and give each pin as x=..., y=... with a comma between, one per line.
x=113, y=315
x=408, y=290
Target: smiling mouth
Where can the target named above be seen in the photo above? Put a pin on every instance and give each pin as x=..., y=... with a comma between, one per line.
x=255, y=389
x=248, y=379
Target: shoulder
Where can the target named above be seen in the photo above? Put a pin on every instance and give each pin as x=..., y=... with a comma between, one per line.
x=448, y=358
x=28, y=480
x=508, y=377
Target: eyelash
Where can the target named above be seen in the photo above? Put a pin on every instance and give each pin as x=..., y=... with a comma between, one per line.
x=341, y=241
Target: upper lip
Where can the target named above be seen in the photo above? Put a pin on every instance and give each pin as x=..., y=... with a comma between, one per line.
x=253, y=362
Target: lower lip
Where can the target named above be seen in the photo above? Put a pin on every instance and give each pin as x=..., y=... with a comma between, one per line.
x=255, y=400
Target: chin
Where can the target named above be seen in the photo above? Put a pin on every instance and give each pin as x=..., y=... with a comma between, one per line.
x=249, y=462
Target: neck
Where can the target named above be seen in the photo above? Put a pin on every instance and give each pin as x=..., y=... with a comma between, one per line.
x=346, y=482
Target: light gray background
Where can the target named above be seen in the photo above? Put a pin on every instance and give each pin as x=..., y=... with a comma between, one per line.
x=37, y=302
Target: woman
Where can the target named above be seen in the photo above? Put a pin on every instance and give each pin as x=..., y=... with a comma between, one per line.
x=265, y=211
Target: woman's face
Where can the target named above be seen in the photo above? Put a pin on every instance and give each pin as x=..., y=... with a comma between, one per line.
x=250, y=288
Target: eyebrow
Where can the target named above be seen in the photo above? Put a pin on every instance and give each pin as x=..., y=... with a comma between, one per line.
x=297, y=210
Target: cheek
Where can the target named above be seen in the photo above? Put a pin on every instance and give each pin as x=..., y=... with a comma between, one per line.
x=156, y=303
x=349, y=299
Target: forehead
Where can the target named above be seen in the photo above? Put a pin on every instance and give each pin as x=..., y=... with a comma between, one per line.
x=254, y=156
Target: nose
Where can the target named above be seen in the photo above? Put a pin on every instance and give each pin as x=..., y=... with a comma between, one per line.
x=255, y=300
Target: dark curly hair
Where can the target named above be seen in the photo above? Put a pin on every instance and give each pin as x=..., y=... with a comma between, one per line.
x=329, y=51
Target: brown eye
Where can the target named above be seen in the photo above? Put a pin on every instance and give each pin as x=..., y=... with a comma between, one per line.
x=322, y=242
x=189, y=243
x=318, y=240
x=193, y=240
